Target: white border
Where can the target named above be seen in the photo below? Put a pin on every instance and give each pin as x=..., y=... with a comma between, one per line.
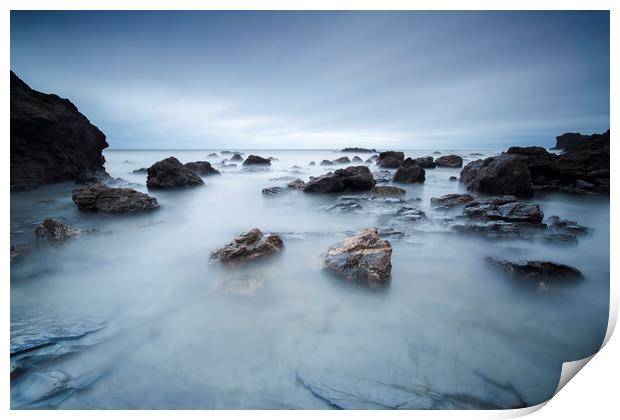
x=595, y=390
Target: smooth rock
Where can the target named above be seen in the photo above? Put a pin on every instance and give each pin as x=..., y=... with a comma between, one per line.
x=409, y=172
x=449, y=161
x=171, y=174
x=452, y=200
x=98, y=197
x=390, y=159
x=202, y=168
x=504, y=174
x=256, y=160
x=536, y=270
x=236, y=157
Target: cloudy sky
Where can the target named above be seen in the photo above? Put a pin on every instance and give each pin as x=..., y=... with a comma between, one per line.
x=322, y=79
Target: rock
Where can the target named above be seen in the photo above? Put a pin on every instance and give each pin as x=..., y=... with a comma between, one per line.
x=55, y=231
x=50, y=140
x=409, y=172
x=453, y=178
x=236, y=157
x=449, y=161
x=341, y=161
x=493, y=229
x=387, y=191
x=101, y=198
x=560, y=238
x=504, y=174
x=539, y=161
x=312, y=163
x=18, y=251
x=93, y=178
x=357, y=159
x=273, y=159
x=390, y=159
x=170, y=174
x=369, y=161
x=357, y=150
x=326, y=162
x=343, y=207
x=426, y=162
x=568, y=141
x=557, y=225
x=476, y=154
x=353, y=178
x=256, y=160
x=229, y=165
x=451, y=200
x=436, y=152
x=409, y=214
x=212, y=155
x=514, y=211
x=586, y=166
x=139, y=171
x=273, y=191
x=363, y=258
x=382, y=177
x=536, y=270
x=296, y=184
x=248, y=247
x=202, y=168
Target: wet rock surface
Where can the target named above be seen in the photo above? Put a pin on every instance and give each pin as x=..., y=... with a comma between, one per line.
x=55, y=231
x=390, y=159
x=171, y=174
x=353, y=178
x=452, y=200
x=449, y=161
x=535, y=270
x=236, y=157
x=426, y=162
x=387, y=191
x=248, y=247
x=504, y=174
x=363, y=258
x=112, y=200
x=51, y=141
x=409, y=172
x=504, y=208
x=202, y=168
x=256, y=160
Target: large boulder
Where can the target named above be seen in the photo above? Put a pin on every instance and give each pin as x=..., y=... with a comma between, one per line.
x=98, y=197
x=504, y=174
x=171, y=174
x=409, y=172
x=504, y=208
x=568, y=141
x=541, y=163
x=363, y=258
x=202, y=168
x=51, y=140
x=247, y=247
x=55, y=231
x=449, y=161
x=586, y=166
x=390, y=159
x=353, y=178
x=535, y=270
x=256, y=160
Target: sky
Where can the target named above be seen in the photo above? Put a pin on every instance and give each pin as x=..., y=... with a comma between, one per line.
x=322, y=80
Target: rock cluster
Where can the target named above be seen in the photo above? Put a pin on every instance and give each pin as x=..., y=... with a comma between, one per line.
x=98, y=197
x=250, y=246
x=363, y=258
x=358, y=150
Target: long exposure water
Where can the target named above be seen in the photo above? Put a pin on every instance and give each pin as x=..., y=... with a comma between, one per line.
x=133, y=314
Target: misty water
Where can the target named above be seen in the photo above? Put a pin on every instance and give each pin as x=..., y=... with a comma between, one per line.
x=133, y=314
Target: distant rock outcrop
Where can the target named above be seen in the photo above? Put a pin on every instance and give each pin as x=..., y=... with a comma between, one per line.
x=51, y=141
x=358, y=150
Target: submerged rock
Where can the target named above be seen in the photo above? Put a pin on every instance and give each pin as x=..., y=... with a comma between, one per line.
x=101, y=198
x=50, y=140
x=312, y=163
x=171, y=174
x=326, y=162
x=426, y=162
x=409, y=172
x=202, y=168
x=558, y=225
x=504, y=208
x=449, y=161
x=382, y=177
x=256, y=160
x=236, y=157
x=390, y=159
x=212, y=155
x=55, y=231
x=273, y=191
x=452, y=200
x=341, y=160
x=387, y=191
x=363, y=258
x=248, y=247
x=356, y=159
x=353, y=178
x=453, y=178
x=296, y=184
x=492, y=229
x=537, y=270
x=139, y=171
x=504, y=174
